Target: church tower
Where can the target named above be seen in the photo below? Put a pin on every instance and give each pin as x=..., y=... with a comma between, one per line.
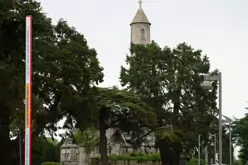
x=140, y=27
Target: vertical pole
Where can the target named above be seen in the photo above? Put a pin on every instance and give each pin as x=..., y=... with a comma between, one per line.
x=220, y=119
x=230, y=142
x=215, y=149
x=199, y=149
x=206, y=155
x=28, y=93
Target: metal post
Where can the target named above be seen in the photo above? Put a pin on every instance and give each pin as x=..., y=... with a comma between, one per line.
x=220, y=119
x=206, y=155
x=230, y=142
x=215, y=149
x=218, y=78
x=199, y=149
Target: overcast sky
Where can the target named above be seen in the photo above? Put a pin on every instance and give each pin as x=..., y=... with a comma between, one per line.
x=218, y=27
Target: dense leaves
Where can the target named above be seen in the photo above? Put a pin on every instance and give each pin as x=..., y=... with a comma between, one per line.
x=64, y=70
x=88, y=139
x=163, y=95
x=120, y=110
x=44, y=150
x=169, y=80
x=241, y=136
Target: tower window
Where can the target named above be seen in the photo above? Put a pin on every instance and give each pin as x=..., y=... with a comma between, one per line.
x=142, y=31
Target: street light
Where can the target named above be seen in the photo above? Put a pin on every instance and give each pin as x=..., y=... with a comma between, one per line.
x=230, y=138
x=207, y=85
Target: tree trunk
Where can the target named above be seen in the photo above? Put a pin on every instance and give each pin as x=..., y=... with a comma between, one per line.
x=177, y=152
x=103, y=138
x=15, y=151
x=164, y=152
x=169, y=152
x=5, y=147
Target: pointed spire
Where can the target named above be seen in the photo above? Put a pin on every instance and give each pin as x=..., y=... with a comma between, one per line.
x=140, y=16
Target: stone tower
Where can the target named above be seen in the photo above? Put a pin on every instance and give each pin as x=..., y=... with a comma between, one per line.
x=140, y=27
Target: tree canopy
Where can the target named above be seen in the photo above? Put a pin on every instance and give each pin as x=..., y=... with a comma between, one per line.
x=120, y=110
x=64, y=70
x=241, y=137
x=162, y=96
x=169, y=80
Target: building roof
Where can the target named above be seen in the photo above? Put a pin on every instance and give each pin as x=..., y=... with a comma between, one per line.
x=140, y=17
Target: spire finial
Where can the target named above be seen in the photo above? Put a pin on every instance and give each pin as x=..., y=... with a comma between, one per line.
x=140, y=3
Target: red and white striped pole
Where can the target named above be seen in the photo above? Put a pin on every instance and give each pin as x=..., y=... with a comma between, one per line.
x=28, y=93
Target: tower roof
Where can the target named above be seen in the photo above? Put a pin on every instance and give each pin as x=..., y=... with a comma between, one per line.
x=140, y=16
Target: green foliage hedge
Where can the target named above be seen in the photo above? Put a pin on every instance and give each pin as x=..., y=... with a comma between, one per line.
x=51, y=163
x=135, y=157
x=194, y=161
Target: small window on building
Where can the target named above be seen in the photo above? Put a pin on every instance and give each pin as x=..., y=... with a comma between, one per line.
x=142, y=31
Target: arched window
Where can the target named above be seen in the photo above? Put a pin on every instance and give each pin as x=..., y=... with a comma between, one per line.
x=142, y=32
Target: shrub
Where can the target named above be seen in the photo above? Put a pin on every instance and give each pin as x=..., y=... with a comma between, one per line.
x=135, y=157
x=51, y=163
x=194, y=161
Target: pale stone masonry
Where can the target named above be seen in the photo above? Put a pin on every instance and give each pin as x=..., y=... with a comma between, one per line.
x=140, y=28
x=71, y=154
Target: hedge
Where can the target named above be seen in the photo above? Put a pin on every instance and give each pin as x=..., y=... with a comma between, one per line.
x=136, y=157
x=51, y=163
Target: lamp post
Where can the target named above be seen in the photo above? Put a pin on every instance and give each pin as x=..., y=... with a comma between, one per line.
x=230, y=138
x=206, y=84
x=206, y=155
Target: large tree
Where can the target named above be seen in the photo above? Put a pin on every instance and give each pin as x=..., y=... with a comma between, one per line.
x=241, y=137
x=64, y=70
x=169, y=80
x=114, y=109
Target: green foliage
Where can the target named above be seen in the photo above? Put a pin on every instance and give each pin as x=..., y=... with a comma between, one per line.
x=194, y=161
x=125, y=109
x=241, y=136
x=138, y=157
x=237, y=162
x=135, y=157
x=44, y=150
x=122, y=111
x=169, y=80
x=65, y=69
x=89, y=139
x=163, y=133
x=51, y=163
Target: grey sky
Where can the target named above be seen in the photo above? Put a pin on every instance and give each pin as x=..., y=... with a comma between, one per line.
x=218, y=27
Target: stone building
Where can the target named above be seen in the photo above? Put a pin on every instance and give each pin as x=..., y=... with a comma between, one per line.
x=140, y=27
x=71, y=154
